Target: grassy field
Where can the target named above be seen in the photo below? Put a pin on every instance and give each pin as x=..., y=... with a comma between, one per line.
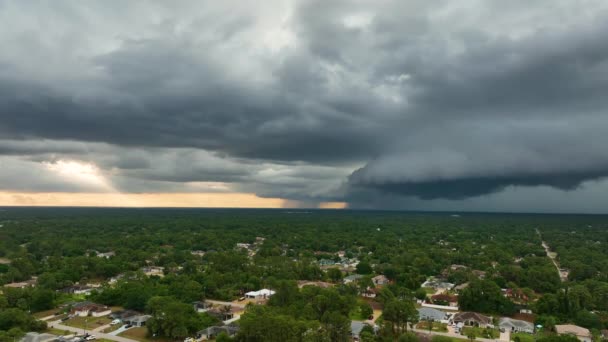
x=439, y=327
x=46, y=313
x=481, y=332
x=141, y=334
x=58, y=332
x=88, y=322
x=523, y=337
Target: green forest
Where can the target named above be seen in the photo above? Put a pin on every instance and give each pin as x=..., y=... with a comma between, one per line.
x=197, y=250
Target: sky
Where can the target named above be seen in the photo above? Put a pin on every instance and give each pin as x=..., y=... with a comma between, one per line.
x=464, y=105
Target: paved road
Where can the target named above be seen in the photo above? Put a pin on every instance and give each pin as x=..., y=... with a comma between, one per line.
x=552, y=256
x=58, y=325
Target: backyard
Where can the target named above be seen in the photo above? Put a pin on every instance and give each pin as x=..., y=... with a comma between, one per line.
x=439, y=327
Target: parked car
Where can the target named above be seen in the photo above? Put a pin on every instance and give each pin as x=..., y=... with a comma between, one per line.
x=65, y=318
x=114, y=322
x=127, y=326
x=90, y=337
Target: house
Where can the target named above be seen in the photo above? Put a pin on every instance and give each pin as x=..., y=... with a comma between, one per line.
x=78, y=289
x=439, y=307
x=326, y=262
x=154, y=271
x=223, y=313
x=123, y=314
x=212, y=332
x=380, y=280
x=106, y=255
x=198, y=253
x=23, y=284
x=351, y=278
x=431, y=314
x=137, y=320
x=472, y=319
x=355, y=329
x=201, y=306
x=442, y=298
x=36, y=337
x=517, y=295
x=437, y=284
x=583, y=334
x=515, y=325
x=261, y=294
x=321, y=284
x=84, y=309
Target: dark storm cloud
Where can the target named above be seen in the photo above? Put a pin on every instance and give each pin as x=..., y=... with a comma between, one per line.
x=316, y=100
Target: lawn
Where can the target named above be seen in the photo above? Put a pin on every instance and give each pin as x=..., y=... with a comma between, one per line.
x=141, y=334
x=481, y=332
x=429, y=290
x=523, y=337
x=58, y=332
x=46, y=313
x=439, y=327
x=89, y=323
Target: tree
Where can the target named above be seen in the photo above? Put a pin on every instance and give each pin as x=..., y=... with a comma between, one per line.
x=364, y=267
x=366, y=310
x=399, y=313
x=334, y=275
x=337, y=326
x=420, y=294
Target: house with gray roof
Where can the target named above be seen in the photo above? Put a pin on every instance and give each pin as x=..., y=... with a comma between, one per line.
x=515, y=325
x=212, y=332
x=356, y=327
x=352, y=278
x=430, y=314
x=138, y=320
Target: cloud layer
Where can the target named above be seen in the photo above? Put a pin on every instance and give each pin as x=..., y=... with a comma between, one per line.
x=368, y=102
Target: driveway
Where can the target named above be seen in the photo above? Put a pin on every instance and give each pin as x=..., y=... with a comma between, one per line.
x=58, y=325
x=119, y=330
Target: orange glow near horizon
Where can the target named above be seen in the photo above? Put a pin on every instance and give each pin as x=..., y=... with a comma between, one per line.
x=189, y=200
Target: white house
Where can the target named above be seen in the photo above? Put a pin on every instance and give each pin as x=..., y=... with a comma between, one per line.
x=261, y=294
x=515, y=325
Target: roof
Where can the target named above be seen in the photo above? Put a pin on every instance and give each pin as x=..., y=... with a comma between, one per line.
x=510, y=322
x=435, y=314
x=138, y=318
x=215, y=330
x=356, y=327
x=572, y=329
x=262, y=292
x=353, y=277
x=472, y=316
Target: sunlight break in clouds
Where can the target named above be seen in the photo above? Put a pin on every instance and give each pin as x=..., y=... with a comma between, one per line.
x=81, y=173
